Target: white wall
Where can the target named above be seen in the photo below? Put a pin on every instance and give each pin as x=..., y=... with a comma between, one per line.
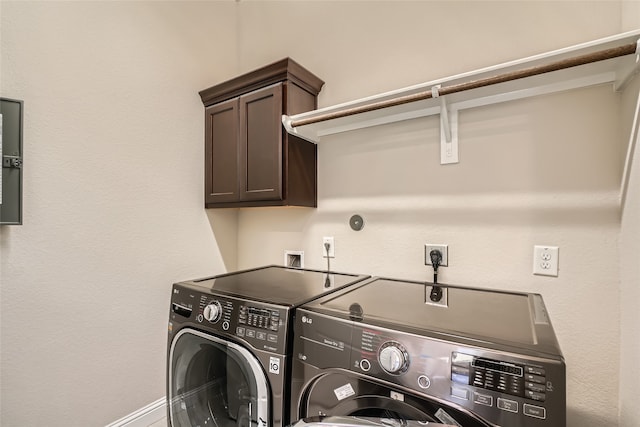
x=113, y=199
x=630, y=287
x=542, y=171
x=629, y=253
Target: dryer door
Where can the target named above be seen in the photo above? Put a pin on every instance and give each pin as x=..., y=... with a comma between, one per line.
x=348, y=394
x=214, y=382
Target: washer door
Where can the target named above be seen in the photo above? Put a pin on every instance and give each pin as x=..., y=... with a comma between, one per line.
x=213, y=382
x=345, y=394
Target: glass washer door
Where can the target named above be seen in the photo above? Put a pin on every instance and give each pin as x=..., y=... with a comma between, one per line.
x=215, y=383
x=367, y=397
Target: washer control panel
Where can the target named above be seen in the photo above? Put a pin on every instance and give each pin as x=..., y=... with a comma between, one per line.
x=261, y=325
x=515, y=379
x=261, y=318
x=505, y=388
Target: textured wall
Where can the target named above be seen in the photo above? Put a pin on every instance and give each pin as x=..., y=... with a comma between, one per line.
x=629, y=253
x=539, y=171
x=630, y=284
x=112, y=202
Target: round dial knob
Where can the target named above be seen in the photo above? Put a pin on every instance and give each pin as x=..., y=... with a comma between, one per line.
x=393, y=358
x=213, y=311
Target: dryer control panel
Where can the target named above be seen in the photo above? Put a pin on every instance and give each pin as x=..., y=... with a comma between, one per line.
x=261, y=325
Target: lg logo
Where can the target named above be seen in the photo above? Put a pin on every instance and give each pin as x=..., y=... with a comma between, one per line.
x=307, y=320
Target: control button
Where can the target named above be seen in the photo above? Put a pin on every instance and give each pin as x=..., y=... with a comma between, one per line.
x=240, y=331
x=535, y=378
x=200, y=318
x=459, y=378
x=225, y=325
x=272, y=338
x=534, y=411
x=261, y=335
x=482, y=399
x=460, y=393
x=251, y=333
x=535, y=371
x=461, y=359
x=424, y=381
x=538, y=388
x=460, y=370
x=507, y=405
x=540, y=397
x=365, y=365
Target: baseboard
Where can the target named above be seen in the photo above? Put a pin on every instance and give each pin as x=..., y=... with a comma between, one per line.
x=144, y=417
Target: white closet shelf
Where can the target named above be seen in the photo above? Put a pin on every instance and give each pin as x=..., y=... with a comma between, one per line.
x=617, y=71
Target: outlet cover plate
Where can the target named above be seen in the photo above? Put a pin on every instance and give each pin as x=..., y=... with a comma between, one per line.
x=442, y=248
x=545, y=260
x=332, y=247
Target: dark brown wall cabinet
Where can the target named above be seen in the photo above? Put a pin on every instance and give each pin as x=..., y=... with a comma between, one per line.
x=250, y=160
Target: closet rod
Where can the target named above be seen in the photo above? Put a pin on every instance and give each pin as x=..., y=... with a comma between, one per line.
x=474, y=84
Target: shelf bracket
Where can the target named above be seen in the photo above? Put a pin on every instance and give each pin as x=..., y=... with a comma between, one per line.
x=448, y=129
x=286, y=122
x=626, y=76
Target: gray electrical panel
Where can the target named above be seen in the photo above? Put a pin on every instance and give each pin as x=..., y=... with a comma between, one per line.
x=11, y=111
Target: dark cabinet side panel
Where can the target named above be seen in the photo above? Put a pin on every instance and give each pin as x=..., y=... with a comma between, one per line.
x=260, y=170
x=298, y=100
x=301, y=156
x=221, y=152
x=302, y=172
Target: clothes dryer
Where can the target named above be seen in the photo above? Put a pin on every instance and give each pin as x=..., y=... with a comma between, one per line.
x=408, y=351
x=229, y=345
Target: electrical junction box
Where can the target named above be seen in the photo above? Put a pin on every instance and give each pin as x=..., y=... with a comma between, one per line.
x=11, y=112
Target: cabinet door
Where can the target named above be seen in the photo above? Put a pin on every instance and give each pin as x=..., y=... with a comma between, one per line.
x=221, y=152
x=260, y=168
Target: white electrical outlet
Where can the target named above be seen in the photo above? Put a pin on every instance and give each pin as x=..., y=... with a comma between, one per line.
x=331, y=251
x=443, y=250
x=545, y=260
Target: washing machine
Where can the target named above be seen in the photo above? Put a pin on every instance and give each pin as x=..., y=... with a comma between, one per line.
x=411, y=351
x=229, y=345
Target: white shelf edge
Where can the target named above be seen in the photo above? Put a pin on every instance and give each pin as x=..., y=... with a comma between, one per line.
x=618, y=72
x=620, y=69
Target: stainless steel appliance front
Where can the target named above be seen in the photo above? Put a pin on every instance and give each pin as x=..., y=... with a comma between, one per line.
x=229, y=345
x=383, y=348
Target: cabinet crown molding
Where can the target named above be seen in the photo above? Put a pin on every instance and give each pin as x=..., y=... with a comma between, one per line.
x=285, y=69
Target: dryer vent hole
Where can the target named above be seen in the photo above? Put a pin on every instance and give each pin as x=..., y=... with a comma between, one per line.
x=294, y=259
